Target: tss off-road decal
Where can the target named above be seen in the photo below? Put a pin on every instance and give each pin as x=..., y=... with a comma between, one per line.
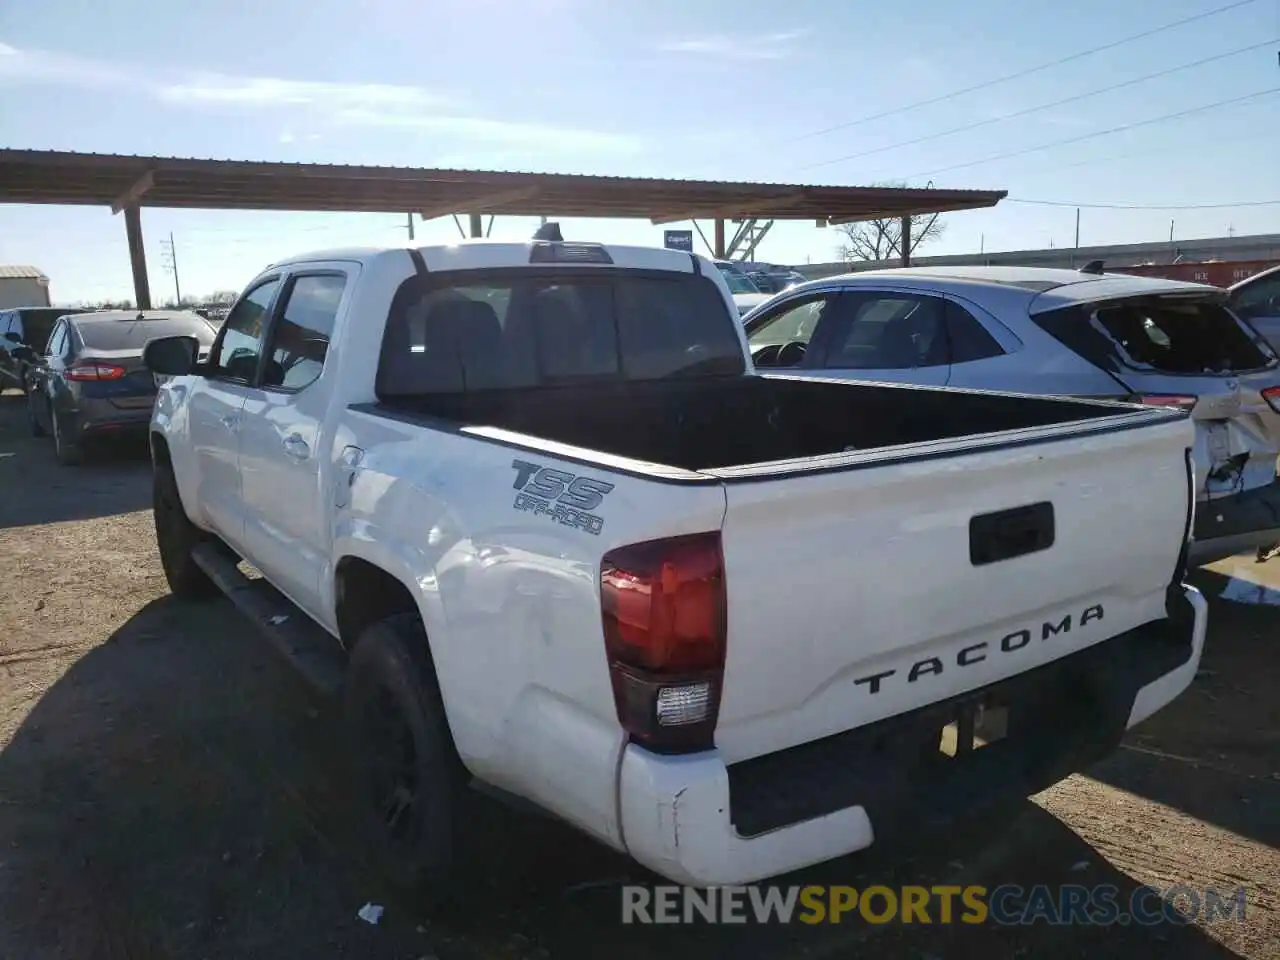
x=563, y=497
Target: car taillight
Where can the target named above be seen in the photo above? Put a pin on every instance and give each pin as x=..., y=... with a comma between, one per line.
x=1175, y=400
x=1272, y=396
x=94, y=371
x=664, y=609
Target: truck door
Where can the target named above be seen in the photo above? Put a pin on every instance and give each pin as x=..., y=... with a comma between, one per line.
x=215, y=410
x=281, y=447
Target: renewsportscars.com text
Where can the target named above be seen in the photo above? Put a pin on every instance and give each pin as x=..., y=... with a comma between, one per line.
x=1007, y=905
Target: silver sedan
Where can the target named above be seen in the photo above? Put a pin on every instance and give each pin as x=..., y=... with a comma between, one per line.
x=1058, y=332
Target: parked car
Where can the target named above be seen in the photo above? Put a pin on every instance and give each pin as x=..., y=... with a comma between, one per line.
x=746, y=295
x=24, y=331
x=1059, y=332
x=777, y=280
x=539, y=518
x=91, y=381
x=1257, y=300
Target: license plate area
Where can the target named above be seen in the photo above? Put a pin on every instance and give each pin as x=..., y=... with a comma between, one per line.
x=976, y=726
x=1218, y=440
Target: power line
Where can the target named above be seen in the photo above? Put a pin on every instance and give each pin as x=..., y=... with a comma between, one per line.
x=1098, y=133
x=1030, y=70
x=1163, y=151
x=1141, y=206
x=1045, y=106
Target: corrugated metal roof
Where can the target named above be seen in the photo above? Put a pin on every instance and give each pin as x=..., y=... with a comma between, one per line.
x=46, y=176
x=21, y=272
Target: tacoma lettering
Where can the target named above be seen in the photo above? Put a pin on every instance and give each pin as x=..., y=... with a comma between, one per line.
x=976, y=653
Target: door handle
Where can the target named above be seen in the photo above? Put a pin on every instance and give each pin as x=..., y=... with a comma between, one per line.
x=231, y=421
x=296, y=447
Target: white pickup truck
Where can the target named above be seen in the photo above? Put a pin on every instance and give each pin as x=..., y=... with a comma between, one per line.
x=531, y=509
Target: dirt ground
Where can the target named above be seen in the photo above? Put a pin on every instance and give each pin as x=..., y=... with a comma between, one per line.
x=169, y=789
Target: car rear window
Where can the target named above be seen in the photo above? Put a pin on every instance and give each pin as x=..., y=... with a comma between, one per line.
x=1165, y=334
x=1182, y=337
x=516, y=329
x=133, y=334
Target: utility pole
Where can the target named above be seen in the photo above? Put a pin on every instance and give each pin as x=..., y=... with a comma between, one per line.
x=409, y=224
x=1077, y=228
x=170, y=261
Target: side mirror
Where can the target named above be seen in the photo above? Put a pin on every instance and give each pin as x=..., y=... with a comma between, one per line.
x=12, y=337
x=171, y=356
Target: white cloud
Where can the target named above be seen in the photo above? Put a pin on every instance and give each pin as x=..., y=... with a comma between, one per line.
x=769, y=46
x=498, y=132
x=51, y=68
x=274, y=91
x=316, y=102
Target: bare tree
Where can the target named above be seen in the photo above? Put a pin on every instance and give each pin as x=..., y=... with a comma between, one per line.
x=882, y=239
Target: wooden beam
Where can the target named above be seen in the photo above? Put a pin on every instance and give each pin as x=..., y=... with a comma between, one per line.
x=741, y=210
x=137, y=257
x=873, y=214
x=481, y=204
x=131, y=196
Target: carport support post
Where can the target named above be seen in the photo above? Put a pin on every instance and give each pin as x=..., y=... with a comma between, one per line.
x=719, y=251
x=137, y=256
x=477, y=228
x=906, y=241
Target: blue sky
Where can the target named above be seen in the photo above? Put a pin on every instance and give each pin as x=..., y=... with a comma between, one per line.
x=701, y=88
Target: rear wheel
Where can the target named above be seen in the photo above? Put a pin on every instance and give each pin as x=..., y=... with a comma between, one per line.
x=176, y=536
x=68, y=453
x=413, y=800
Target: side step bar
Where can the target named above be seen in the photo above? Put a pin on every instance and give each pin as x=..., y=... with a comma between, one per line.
x=305, y=645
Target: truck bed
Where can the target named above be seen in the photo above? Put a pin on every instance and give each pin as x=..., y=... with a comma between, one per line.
x=709, y=423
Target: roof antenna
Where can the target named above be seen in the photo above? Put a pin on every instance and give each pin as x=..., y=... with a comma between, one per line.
x=549, y=231
x=1094, y=267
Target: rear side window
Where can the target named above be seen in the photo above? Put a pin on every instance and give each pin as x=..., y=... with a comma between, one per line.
x=969, y=339
x=1259, y=299
x=1182, y=337
x=892, y=331
x=58, y=342
x=134, y=334
x=530, y=327
x=300, y=338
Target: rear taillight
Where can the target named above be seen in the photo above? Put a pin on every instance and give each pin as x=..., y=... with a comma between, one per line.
x=1272, y=396
x=1175, y=400
x=665, y=625
x=95, y=371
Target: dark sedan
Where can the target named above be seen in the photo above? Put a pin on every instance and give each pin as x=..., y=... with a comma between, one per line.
x=92, y=383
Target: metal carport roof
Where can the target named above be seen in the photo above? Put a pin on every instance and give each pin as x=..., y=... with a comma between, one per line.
x=47, y=176
x=127, y=183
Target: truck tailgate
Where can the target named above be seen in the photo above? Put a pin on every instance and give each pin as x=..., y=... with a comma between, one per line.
x=867, y=589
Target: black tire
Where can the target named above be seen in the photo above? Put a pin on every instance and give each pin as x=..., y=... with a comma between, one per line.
x=69, y=454
x=176, y=535
x=36, y=429
x=412, y=793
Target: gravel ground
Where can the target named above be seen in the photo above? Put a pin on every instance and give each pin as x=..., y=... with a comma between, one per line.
x=169, y=789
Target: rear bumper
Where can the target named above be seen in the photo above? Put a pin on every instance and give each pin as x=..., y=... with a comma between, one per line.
x=102, y=418
x=696, y=821
x=1228, y=525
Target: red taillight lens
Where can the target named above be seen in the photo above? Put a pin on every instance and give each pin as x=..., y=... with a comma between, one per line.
x=1272, y=396
x=1177, y=401
x=94, y=371
x=664, y=609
